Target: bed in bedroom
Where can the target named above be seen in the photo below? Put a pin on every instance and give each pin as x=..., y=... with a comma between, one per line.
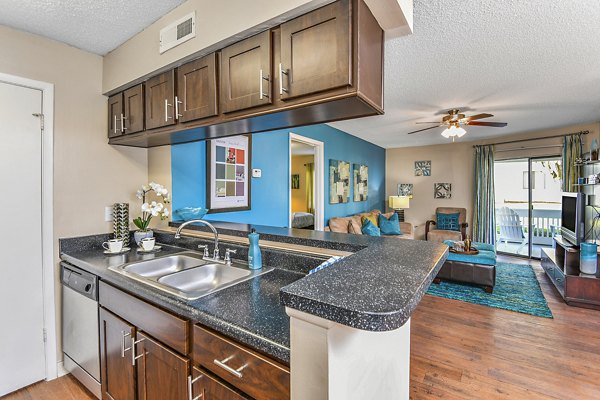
x=303, y=220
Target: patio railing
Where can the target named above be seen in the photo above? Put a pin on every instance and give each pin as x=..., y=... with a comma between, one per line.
x=546, y=224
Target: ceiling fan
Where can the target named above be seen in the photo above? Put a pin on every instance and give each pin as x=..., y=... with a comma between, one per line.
x=455, y=119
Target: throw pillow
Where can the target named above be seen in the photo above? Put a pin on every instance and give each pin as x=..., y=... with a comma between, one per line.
x=353, y=229
x=447, y=222
x=370, y=217
x=389, y=226
x=369, y=228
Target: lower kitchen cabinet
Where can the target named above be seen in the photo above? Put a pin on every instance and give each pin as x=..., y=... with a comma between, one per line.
x=161, y=373
x=117, y=370
x=206, y=387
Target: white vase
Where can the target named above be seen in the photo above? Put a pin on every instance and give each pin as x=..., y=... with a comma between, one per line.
x=139, y=235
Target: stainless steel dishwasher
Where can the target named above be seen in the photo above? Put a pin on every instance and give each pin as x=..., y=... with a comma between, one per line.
x=80, y=326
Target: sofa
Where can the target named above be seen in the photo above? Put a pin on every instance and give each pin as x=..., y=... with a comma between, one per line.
x=353, y=224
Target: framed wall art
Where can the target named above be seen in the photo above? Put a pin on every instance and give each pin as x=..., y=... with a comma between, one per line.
x=295, y=181
x=228, y=181
x=361, y=182
x=339, y=181
x=442, y=190
x=405, y=189
x=423, y=168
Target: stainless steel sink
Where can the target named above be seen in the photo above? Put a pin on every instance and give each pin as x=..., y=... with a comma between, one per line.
x=163, y=266
x=188, y=275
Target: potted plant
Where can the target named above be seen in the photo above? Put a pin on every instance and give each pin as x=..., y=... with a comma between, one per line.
x=150, y=209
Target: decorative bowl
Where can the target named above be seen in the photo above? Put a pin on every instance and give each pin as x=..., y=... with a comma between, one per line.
x=189, y=213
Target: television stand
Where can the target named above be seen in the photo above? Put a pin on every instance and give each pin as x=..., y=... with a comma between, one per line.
x=562, y=267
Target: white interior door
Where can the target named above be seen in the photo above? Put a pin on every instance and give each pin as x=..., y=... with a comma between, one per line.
x=22, y=357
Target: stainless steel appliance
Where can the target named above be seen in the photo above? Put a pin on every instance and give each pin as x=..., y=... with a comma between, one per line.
x=80, y=326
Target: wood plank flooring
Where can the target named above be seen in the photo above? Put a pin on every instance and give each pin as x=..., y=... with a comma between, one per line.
x=468, y=351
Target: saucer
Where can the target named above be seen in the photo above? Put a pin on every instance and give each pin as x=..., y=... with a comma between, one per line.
x=154, y=249
x=123, y=250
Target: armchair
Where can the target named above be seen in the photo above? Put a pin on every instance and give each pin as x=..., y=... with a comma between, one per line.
x=439, y=235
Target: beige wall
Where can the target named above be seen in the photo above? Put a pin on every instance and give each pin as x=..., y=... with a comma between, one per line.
x=299, y=195
x=159, y=171
x=453, y=163
x=140, y=55
x=88, y=174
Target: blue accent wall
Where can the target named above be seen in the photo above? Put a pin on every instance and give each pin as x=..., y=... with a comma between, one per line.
x=270, y=193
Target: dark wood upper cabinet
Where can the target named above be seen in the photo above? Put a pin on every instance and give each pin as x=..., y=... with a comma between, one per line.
x=206, y=387
x=316, y=51
x=115, y=113
x=197, y=89
x=246, y=73
x=133, y=106
x=160, y=100
x=162, y=374
x=116, y=369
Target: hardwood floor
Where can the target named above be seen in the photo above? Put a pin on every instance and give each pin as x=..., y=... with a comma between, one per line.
x=64, y=388
x=468, y=351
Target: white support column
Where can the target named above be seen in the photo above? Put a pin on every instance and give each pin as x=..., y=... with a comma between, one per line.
x=330, y=361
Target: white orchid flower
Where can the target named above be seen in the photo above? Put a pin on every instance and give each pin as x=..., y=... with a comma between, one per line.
x=145, y=207
x=165, y=213
x=154, y=213
x=139, y=194
x=145, y=188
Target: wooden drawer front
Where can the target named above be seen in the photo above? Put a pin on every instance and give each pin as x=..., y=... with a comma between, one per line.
x=208, y=388
x=548, y=266
x=559, y=280
x=258, y=376
x=162, y=325
x=316, y=51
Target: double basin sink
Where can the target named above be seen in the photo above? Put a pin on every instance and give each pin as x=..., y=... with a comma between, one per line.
x=188, y=275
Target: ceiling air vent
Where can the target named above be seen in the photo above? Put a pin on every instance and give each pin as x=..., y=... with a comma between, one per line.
x=178, y=32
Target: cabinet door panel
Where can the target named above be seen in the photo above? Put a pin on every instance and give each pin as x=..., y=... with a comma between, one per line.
x=209, y=388
x=197, y=89
x=160, y=97
x=162, y=374
x=115, y=112
x=133, y=100
x=316, y=51
x=117, y=372
x=241, y=77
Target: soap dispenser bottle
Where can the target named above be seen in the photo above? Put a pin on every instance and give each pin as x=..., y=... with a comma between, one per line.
x=254, y=255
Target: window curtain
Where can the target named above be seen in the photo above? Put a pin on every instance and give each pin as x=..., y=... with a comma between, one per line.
x=572, y=149
x=310, y=187
x=484, y=215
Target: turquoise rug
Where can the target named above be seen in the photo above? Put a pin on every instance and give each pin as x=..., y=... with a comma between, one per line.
x=517, y=289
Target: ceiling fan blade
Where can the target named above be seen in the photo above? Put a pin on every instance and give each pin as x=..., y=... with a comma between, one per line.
x=494, y=124
x=436, y=122
x=421, y=130
x=478, y=116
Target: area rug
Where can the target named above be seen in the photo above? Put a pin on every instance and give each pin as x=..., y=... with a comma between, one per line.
x=517, y=289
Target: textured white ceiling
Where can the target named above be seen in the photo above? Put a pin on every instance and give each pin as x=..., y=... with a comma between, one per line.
x=91, y=25
x=534, y=64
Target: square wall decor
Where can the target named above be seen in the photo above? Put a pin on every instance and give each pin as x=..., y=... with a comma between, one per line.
x=339, y=181
x=295, y=181
x=405, y=189
x=361, y=182
x=442, y=190
x=423, y=168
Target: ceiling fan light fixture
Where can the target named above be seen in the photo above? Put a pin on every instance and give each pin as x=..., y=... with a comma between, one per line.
x=453, y=131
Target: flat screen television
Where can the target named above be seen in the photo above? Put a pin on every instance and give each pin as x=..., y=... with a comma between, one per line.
x=573, y=218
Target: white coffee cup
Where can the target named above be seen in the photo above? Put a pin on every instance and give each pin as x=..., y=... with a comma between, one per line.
x=113, y=245
x=147, y=243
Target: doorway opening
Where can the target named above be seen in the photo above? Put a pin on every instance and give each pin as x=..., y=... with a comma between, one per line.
x=528, y=204
x=306, y=205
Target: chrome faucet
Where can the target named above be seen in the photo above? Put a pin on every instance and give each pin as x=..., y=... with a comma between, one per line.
x=216, y=256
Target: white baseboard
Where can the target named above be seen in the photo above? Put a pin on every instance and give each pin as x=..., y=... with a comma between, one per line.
x=60, y=368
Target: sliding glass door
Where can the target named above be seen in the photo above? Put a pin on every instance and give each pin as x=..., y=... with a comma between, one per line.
x=528, y=194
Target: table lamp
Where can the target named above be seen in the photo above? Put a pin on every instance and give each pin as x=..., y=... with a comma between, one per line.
x=398, y=204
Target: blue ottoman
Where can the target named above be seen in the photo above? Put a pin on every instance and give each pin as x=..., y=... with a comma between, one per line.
x=479, y=269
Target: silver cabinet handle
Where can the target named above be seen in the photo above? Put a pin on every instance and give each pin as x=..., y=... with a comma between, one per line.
x=281, y=73
x=177, y=103
x=234, y=372
x=133, y=356
x=262, y=94
x=167, y=105
x=123, y=129
x=123, y=349
x=191, y=390
x=115, y=125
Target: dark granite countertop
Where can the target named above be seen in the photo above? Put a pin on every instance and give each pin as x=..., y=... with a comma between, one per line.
x=249, y=312
x=376, y=289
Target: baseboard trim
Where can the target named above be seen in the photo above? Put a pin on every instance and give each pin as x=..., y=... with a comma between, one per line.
x=60, y=369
